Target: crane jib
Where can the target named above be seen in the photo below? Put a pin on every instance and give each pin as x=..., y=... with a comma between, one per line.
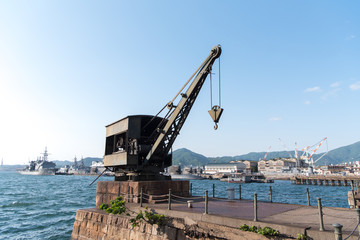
x=182, y=109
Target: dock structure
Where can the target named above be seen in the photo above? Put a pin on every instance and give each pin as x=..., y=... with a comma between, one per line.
x=222, y=221
x=325, y=180
x=193, y=217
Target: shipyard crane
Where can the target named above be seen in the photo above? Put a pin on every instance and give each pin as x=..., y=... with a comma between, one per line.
x=138, y=147
x=267, y=153
x=283, y=144
x=305, y=154
x=309, y=151
x=297, y=157
x=296, y=152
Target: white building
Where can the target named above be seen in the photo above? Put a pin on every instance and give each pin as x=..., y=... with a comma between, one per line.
x=215, y=168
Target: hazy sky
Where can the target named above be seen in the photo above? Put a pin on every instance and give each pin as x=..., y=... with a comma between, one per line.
x=289, y=70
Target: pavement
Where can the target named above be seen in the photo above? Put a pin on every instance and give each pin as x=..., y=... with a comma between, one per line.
x=289, y=215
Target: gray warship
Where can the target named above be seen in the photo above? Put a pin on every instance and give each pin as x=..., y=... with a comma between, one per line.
x=40, y=167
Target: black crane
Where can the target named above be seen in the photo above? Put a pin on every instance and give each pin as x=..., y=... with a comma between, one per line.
x=138, y=147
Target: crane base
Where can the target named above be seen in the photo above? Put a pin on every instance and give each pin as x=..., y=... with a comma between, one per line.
x=141, y=177
x=153, y=191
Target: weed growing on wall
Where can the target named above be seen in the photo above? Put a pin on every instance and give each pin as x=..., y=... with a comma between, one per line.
x=149, y=217
x=117, y=206
x=301, y=236
x=266, y=231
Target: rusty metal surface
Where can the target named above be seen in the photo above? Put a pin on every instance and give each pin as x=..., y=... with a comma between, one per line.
x=118, y=127
x=115, y=159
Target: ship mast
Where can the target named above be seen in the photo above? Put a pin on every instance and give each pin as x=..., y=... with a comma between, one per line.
x=45, y=154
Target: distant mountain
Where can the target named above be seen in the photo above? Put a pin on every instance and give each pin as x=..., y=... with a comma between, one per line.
x=87, y=161
x=186, y=157
x=11, y=167
x=348, y=153
x=253, y=156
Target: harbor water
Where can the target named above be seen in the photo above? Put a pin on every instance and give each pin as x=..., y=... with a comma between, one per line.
x=44, y=207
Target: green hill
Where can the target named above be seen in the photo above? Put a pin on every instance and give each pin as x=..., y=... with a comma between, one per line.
x=348, y=153
x=87, y=161
x=253, y=156
x=186, y=157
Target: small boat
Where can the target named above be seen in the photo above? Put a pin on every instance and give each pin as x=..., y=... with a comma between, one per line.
x=237, y=178
x=260, y=178
x=64, y=170
x=246, y=178
x=185, y=177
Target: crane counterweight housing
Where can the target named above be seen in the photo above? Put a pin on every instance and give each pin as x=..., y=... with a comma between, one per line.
x=140, y=145
x=129, y=140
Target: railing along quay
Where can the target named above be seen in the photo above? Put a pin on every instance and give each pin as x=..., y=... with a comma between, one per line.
x=325, y=180
x=203, y=202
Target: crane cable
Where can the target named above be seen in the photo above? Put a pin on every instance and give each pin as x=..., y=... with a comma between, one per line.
x=170, y=104
x=192, y=76
x=219, y=85
x=211, y=99
x=211, y=105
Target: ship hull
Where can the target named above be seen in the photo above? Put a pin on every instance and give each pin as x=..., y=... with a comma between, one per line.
x=185, y=177
x=45, y=172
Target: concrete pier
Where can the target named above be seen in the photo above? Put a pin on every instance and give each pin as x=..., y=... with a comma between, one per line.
x=222, y=221
x=326, y=180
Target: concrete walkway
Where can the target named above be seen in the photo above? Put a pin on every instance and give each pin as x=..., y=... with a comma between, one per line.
x=289, y=215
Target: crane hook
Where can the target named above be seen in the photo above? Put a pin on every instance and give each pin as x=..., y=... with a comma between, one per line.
x=215, y=114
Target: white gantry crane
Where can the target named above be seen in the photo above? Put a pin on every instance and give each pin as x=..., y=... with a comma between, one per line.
x=309, y=151
x=283, y=144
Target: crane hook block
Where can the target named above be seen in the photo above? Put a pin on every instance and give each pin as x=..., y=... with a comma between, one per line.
x=215, y=114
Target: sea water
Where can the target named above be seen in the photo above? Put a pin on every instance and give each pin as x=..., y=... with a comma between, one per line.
x=281, y=191
x=44, y=207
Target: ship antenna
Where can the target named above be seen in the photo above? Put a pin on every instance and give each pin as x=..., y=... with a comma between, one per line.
x=45, y=154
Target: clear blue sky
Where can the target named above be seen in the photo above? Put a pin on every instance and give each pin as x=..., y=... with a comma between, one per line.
x=289, y=70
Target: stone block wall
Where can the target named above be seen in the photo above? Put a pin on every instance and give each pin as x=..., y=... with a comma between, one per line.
x=95, y=224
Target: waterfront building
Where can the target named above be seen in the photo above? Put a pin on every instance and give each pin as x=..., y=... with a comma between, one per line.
x=276, y=165
x=333, y=169
x=224, y=168
x=251, y=166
